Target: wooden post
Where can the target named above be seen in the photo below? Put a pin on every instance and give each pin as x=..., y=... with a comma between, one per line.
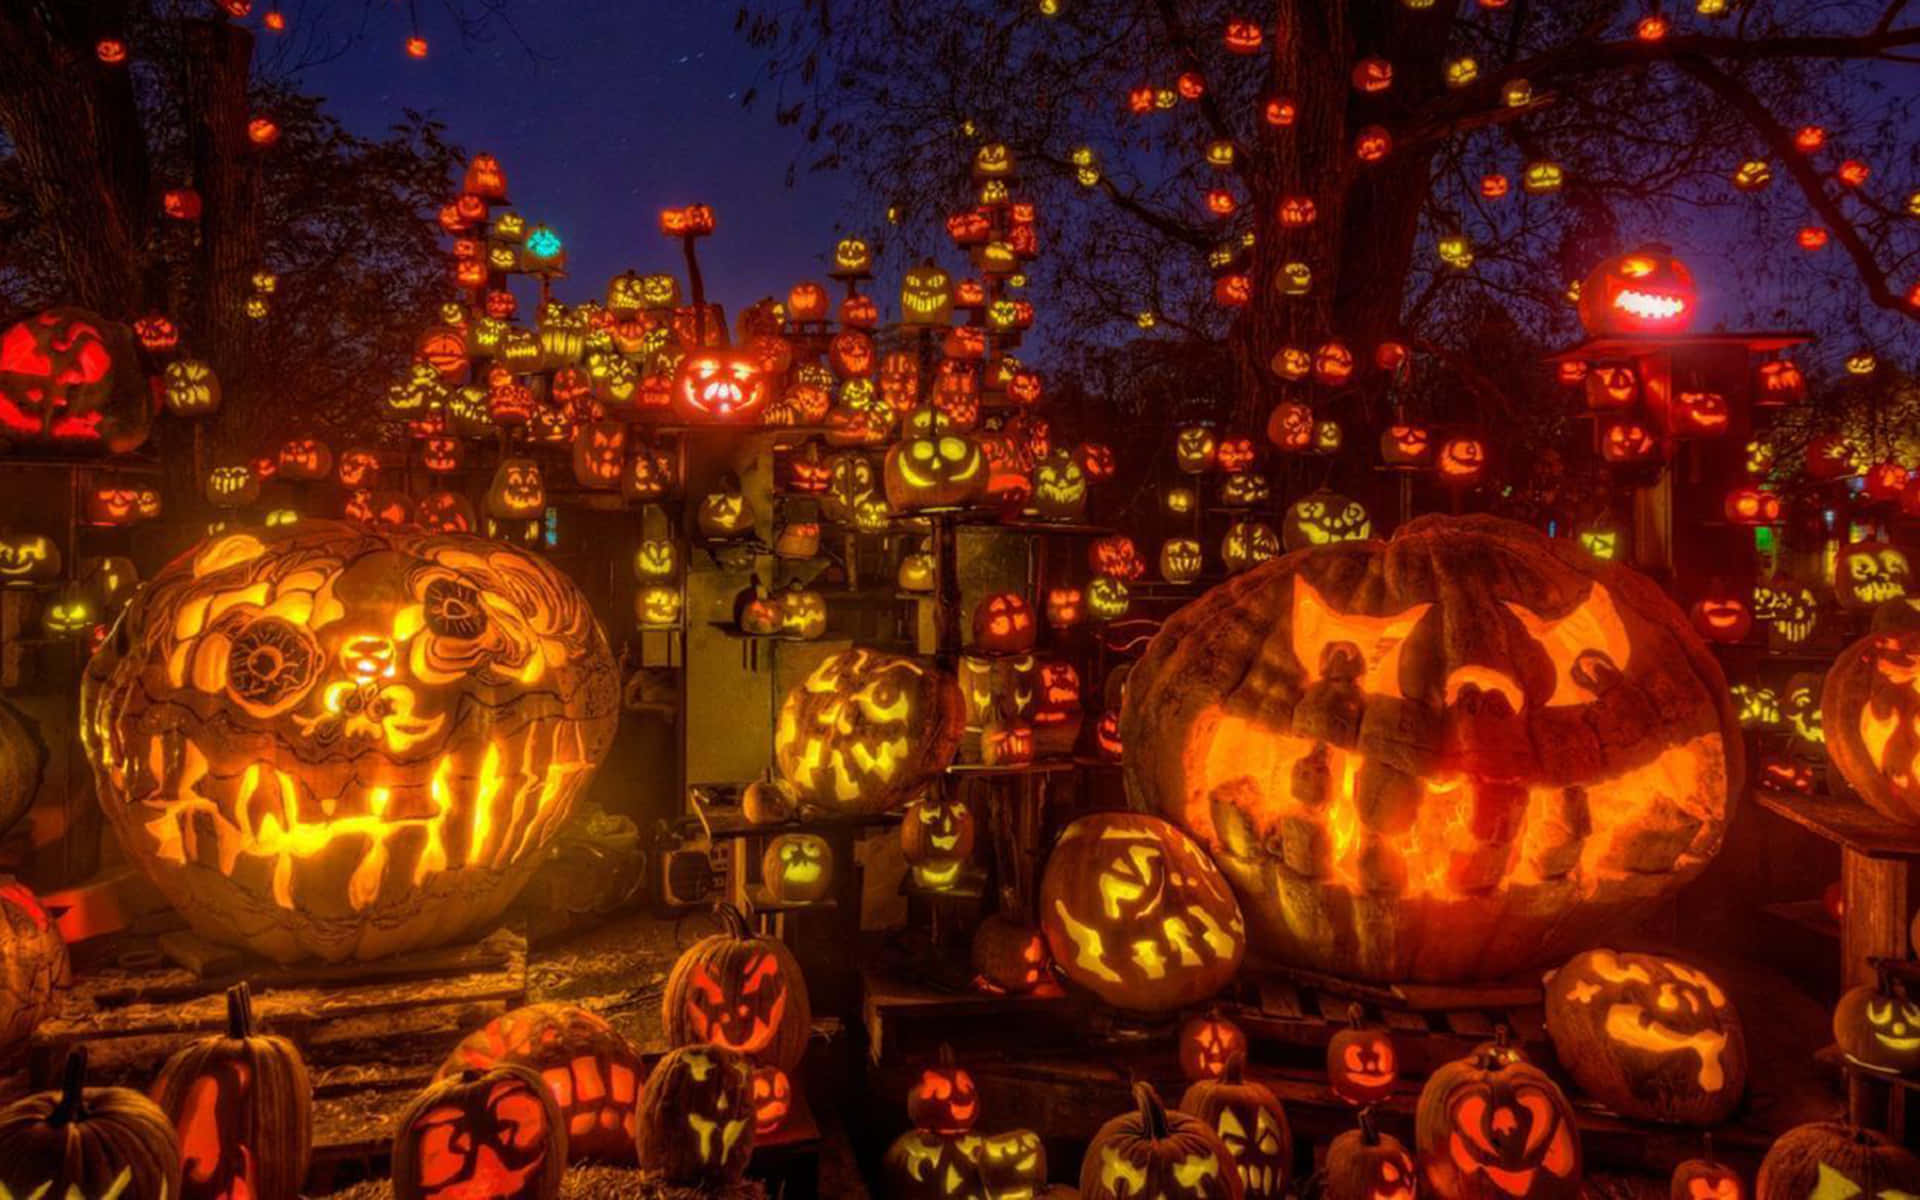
x=1874, y=924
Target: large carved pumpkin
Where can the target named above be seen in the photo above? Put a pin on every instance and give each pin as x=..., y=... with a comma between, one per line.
x=1648, y=1037
x=480, y=1135
x=1492, y=1126
x=1157, y=1153
x=589, y=1068
x=242, y=1105
x=1447, y=756
x=69, y=380
x=93, y=1143
x=739, y=992
x=1825, y=1160
x=1870, y=713
x=865, y=730
x=1135, y=913
x=324, y=741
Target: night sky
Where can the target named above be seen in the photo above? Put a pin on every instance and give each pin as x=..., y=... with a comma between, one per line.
x=604, y=112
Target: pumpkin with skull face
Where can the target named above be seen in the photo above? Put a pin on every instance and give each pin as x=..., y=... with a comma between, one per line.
x=1251, y=1124
x=1444, y=756
x=1826, y=1160
x=1647, y=1036
x=1868, y=574
x=494, y=1135
x=321, y=740
x=1492, y=1126
x=741, y=993
x=1870, y=716
x=865, y=730
x=1136, y=913
x=797, y=868
x=590, y=1071
x=1877, y=1026
x=1153, y=1152
x=1321, y=518
x=695, y=1124
x=1365, y=1164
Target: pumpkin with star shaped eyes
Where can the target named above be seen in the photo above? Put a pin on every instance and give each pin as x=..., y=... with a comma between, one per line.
x=1155, y=1152
x=1870, y=720
x=1649, y=1037
x=1365, y=1164
x=1361, y=1062
x=1877, y=1026
x=589, y=1069
x=1136, y=913
x=76, y=1141
x=482, y=1135
x=321, y=740
x=1250, y=1123
x=1493, y=1126
x=695, y=1124
x=1207, y=1043
x=1469, y=748
x=740, y=992
x=1828, y=1160
x=797, y=867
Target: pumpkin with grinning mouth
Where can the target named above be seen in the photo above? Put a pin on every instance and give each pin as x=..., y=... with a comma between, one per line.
x=323, y=741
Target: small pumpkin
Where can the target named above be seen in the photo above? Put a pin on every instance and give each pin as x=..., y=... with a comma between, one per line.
x=480, y=1135
x=1492, y=1126
x=1207, y=1043
x=739, y=992
x=1153, y=1152
x=1878, y=1026
x=1361, y=1063
x=1365, y=1164
x=797, y=868
x=943, y=1099
x=772, y=1099
x=87, y=1142
x=695, y=1123
x=1251, y=1123
x=1009, y=955
x=242, y=1105
x=1826, y=1160
x=1705, y=1179
x=588, y=1066
x=936, y=829
x=768, y=801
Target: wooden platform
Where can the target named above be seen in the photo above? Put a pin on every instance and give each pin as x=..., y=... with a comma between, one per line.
x=1876, y=865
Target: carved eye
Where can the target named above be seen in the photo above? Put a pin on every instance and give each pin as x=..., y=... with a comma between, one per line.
x=270, y=664
x=453, y=610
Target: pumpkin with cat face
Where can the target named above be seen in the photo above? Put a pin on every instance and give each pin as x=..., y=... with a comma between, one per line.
x=1870, y=718
x=324, y=741
x=1446, y=756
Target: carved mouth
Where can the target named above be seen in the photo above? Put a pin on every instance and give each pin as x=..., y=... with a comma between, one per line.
x=1371, y=1079
x=1649, y=306
x=1633, y=1026
x=1259, y=1180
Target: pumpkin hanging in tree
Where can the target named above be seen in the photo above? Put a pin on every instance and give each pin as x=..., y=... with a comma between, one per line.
x=91, y=1142
x=242, y=1105
x=1492, y=1126
x=740, y=992
x=1154, y=1152
x=480, y=1135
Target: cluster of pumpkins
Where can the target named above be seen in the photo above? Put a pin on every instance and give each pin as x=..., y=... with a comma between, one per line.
x=514, y=1103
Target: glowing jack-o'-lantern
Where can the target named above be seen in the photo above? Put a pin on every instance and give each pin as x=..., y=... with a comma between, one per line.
x=934, y=470
x=1180, y=560
x=1003, y=623
x=1361, y=1062
x=590, y=1071
x=1535, y=649
x=28, y=558
x=1207, y=1044
x=190, y=388
x=1365, y=1164
x=1828, y=1160
x=1646, y=290
x=741, y=993
x=1155, y=1152
x=937, y=831
x=1250, y=1123
x=1009, y=956
x=1322, y=518
x=1247, y=544
x=326, y=741
x=1721, y=616
x=926, y=296
x=1492, y=1126
x=495, y=1134
x=77, y=1141
x=696, y=1123
x=1195, y=449
x=1705, y=1179
x=797, y=868
x=720, y=385
x=944, y=1099
x=1781, y=382
x=1406, y=446
x=1752, y=505
x=1135, y=912
x=517, y=490
x=67, y=379
x=1877, y=1026
x=1870, y=716
x=865, y=730
x=1462, y=460
x=1868, y=574
x=1647, y=1036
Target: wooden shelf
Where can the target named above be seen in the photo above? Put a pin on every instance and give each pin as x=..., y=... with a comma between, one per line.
x=1807, y=914
x=1846, y=823
x=1652, y=343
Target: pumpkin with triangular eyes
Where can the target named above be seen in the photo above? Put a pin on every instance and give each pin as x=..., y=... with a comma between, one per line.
x=1829, y=1160
x=1251, y=1124
x=1207, y=1043
x=696, y=1120
x=740, y=992
x=1493, y=1126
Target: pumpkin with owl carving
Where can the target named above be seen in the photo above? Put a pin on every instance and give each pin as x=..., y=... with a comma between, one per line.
x=1447, y=756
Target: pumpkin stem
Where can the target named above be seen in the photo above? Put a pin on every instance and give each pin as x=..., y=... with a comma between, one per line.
x=73, y=1097
x=731, y=918
x=1356, y=1015
x=1369, y=1131
x=1707, y=1139
x=240, y=1011
x=1153, y=1114
x=945, y=1056
x=1235, y=1071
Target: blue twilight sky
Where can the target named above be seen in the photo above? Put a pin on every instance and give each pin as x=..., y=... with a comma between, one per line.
x=601, y=112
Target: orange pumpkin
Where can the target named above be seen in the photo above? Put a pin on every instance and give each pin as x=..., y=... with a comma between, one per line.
x=1492, y=1126
x=589, y=1068
x=1870, y=712
x=739, y=992
x=485, y=1135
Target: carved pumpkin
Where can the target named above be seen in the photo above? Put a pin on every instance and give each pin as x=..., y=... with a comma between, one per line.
x=1207, y=1044
x=1868, y=574
x=34, y=963
x=696, y=1120
x=865, y=730
x=768, y=801
x=1003, y=623
x=1152, y=1152
x=933, y=1166
x=1649, y=1037
x=1365, y=1164
x=1468, y=747
x=242, y=1106
x=797, y=867
x=772, y=1099
x=480, y=1135
x=1492, y=1126
x=1870, y=716
x=1705, y=1179
x=719, y=385
x=305, y=459
x=926, y=296
x=95, y=1143
x=1322, y=517
x=934, y=470
x=518, y=491
x=1135, y=912
x=944, y=1099
x=1825, y=1160
x=1009, y=955
x=28, y=558
x=589, y=1069
x=68, y=379
x=1878, y=1026
x=741, y=993
x=1646, y=290
x=936, y=830
x=1251, y=1124
x=1361, y=1063
x=321, y=740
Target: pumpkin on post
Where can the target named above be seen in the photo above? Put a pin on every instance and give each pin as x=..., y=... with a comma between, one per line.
x=242, y=1105
x=1154, y=1152
x=480, y=1135
x=739, y=992
x=91, y=1142
x=1250, y=1123
x=1492, y=1126
x=589, y=1069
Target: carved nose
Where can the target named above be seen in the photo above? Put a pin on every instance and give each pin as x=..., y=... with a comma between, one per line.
x=367, y=657
x=1484, y=691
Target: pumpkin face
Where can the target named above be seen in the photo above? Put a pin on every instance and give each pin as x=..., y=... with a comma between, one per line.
x=1060, y=487
x=1870, y=718
x=1247, y=544
x=98, y=1143
x=1704, y=1179
x=1493, y=1127
x=1250, y=1124
x=866, y=730
x=926, y=296
x=1878, y=1028
x=490, y=1135
x=1646, y=290
x=720, y=385
x=1322, y=518
x=1364, y=1164
x=1003, y=623
x=944, y=1099
x=305, y=459
x=933, y=1166
x=1825, y=1160
x=1461, y=461
x=590, y=1071
x=1649, y=1037
x=1721, y=616
x=67, y=379
x=739, y=993
x=934, y=470
x=772, y=1099
x=696, y=1120
x=190, y=388
x=1207, y=1044
x=1155, y=1153
x=798, y=867
x=936, y=829
x=28, y=558
x=1500, y=671
x=1135, y=912
x=321, y=740
x=1009, y=956
x=1361, y=1064
x=1868, y=574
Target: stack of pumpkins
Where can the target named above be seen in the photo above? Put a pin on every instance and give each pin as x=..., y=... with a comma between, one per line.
x=942, y=1157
